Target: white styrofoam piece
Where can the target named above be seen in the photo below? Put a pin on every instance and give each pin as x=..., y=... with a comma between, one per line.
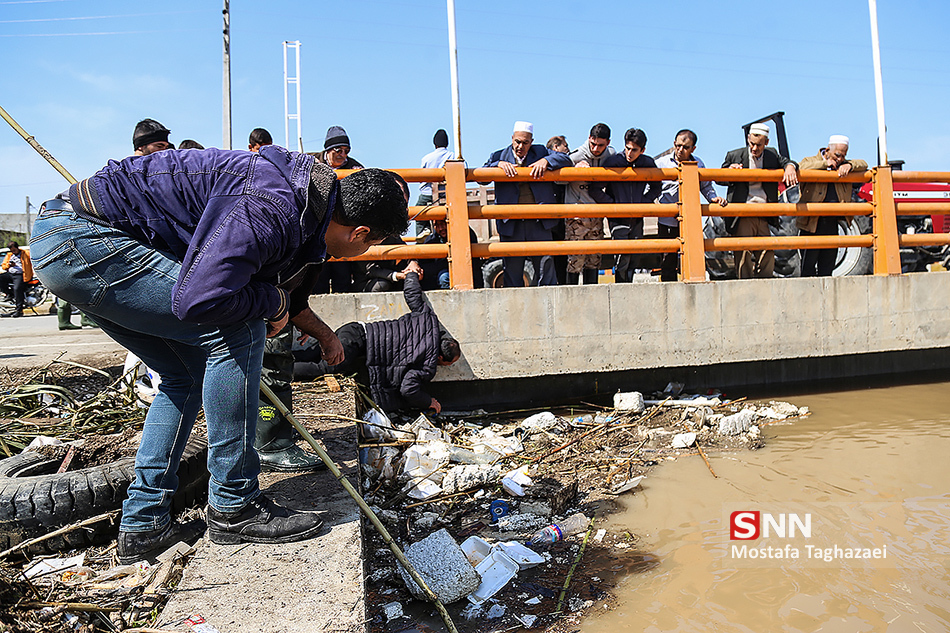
x=496, y=571
x=524, y=556
x=475, y=549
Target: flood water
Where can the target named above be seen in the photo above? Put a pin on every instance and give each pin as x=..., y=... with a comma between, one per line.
x=867, y=469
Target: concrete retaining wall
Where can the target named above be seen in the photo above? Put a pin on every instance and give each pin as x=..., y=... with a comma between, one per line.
x=597, y=330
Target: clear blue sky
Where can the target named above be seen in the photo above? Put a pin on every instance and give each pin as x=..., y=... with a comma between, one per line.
x=78, y=75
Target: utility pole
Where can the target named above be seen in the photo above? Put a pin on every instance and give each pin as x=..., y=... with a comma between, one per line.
x=292, y=81
x=28, y=218
x=878, y=85
x=454, y=76
x=226, y=138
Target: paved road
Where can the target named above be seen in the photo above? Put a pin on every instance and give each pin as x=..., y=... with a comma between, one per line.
x=35, y=340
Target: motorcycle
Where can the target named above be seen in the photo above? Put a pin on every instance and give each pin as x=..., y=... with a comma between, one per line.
x=36, y=294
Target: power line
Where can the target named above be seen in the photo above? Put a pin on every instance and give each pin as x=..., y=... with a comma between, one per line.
x=94, y=17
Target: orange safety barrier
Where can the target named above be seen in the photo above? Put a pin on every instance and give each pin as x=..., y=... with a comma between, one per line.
x=691, y=244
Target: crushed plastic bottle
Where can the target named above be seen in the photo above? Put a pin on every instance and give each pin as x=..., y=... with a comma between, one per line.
x=558, y=531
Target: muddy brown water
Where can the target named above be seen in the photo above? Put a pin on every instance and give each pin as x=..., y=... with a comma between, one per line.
x=867, y=469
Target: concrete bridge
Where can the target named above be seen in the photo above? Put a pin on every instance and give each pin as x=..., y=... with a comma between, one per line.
x=559, y=342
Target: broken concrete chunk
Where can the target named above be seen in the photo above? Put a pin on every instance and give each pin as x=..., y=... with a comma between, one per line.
x=462, y=478
x=443, y=566
x=631, y=401
x=540, y=421
x=392, y=610
x=683, y=440
x=736, y=423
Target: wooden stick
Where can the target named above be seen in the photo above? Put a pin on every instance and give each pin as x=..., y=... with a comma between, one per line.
x=703, y=455
x=434, y=499
x=68, y=606
x=570, y=574
x=62, y=530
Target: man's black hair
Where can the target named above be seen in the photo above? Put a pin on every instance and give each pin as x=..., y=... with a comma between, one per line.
x=13, y=243
x=600, y=131
x=190, y=144
x=691, y=135
x=636, y=136
x=260, y=136
x=449, y=349
x=373, y=198
x=149, y=131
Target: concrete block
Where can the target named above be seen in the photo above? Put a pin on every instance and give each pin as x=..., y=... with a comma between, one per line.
x=443, y=566
x=737, y=422
x=462, y=478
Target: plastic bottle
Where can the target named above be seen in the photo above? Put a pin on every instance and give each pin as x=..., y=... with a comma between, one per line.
x=558, y=531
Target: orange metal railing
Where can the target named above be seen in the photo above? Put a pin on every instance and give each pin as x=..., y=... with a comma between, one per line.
x=691, y=244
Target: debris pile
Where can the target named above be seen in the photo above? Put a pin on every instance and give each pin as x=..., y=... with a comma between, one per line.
x=481, y=500
x=86, y=592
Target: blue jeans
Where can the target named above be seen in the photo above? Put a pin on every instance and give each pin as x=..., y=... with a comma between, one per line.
x=126, y=286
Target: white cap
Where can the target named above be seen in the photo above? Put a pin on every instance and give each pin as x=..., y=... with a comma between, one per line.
x=760, y=129
x=524, y=126
x=838, y=139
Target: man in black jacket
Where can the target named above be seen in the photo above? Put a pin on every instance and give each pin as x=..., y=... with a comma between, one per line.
x=755, y=155
x=399, y=356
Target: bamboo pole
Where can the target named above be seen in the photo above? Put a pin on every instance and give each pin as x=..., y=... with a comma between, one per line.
x=39, y=148
x=383, y=532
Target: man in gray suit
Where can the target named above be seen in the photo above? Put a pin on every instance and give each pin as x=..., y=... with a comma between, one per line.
x=756, y=155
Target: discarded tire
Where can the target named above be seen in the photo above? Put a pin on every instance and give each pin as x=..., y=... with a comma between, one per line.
x=35, y=500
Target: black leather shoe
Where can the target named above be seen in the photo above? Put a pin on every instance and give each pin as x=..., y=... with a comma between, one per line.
x=16, y=314
x=262, y=521
x=135, y=546
x=290, y=460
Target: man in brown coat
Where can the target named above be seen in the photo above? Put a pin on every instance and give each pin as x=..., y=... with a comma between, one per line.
x=821, y=262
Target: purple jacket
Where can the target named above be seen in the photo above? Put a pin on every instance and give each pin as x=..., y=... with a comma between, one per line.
x=242, y=224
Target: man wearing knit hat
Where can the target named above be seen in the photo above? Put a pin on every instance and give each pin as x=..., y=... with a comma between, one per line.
x=538, y=158
x=820, y=262
x=755, y=155
x=336, y=150
x=218, y=248
x=149, y=137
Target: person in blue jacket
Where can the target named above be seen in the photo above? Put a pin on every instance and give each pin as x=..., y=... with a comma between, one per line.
x=187, y=258
x=523, y=153
x=628, y=192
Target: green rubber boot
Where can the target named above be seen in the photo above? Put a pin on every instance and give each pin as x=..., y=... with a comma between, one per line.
x=64, y=313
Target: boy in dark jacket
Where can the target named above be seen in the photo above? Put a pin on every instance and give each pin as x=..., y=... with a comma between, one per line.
x=628, y=192
x=399, y=356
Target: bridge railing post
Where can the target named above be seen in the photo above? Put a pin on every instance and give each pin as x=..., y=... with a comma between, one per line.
x=691, y=224
x=887, y=255
x=460, y=244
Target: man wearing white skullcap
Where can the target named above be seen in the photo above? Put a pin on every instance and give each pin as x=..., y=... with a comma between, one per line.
x=821, y=262
x=756, y=155
x=538, y=158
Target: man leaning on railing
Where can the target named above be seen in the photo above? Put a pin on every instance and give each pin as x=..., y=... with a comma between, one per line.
x=821, y=262
x=523, y=153
x=755, y=155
